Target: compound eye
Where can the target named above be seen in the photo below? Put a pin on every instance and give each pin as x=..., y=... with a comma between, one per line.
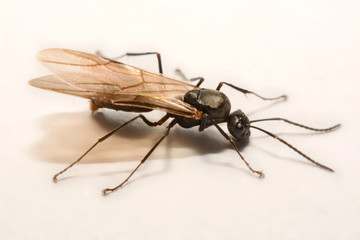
x=239, y=125
x=239, y=121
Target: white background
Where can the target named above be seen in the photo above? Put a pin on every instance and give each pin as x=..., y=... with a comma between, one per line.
x=194, y=186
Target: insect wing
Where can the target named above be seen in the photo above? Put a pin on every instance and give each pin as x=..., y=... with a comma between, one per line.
x=53, y=83
x=123, y=84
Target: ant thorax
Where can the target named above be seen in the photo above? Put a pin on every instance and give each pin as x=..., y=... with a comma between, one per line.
x=211, y=102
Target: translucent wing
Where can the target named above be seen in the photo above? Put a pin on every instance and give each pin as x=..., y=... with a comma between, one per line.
x=51, y=82
x=89, y=76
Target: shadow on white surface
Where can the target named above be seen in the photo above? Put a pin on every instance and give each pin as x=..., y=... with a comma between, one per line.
x=68, y=135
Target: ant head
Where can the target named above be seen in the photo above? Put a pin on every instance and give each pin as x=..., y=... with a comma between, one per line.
x=239, y=125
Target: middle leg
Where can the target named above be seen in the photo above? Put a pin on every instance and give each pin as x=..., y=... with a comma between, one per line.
x=142, y=117
x=166, y=133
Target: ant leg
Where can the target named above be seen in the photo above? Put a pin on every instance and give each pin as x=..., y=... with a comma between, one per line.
x=149, y=123
x=230, y=139
x=182, y=75
x=166, y=133
x=154, y=124
x=135, y=54
x=244, y=91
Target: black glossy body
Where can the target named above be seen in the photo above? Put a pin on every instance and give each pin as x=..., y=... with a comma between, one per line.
x=216, y=105
x=213, y=103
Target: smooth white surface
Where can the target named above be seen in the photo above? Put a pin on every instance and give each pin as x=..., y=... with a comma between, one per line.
x=195, y=186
